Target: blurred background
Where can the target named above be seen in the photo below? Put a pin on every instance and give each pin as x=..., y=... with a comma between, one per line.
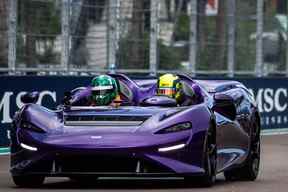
x=201, y=37
x=52, y=46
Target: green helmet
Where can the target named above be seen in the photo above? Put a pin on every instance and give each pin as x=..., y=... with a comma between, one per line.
x=104, y=90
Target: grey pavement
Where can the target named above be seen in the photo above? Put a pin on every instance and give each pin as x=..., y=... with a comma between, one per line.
x=273, y=177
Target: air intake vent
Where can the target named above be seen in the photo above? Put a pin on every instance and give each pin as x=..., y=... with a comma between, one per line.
x=104, y=120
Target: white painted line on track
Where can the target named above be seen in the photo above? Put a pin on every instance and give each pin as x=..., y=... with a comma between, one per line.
x=5, y=151
x=274, y=132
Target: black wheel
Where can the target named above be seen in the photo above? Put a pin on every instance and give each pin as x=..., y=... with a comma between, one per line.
x=28, y=181
x=210, y=161
x=14, y=147
x=250, y=169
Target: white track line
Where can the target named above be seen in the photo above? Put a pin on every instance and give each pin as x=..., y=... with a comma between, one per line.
x=274, y=132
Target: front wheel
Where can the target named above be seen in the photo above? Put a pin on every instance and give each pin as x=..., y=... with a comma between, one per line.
x=210, y=161
x=250, y=170
x=28, y=181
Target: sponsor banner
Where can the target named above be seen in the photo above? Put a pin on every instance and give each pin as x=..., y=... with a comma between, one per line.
x=51, y=91
x=271, y=96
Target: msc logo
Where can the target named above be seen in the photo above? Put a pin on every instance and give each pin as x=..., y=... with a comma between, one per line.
x=269, y=100
x=5, y=102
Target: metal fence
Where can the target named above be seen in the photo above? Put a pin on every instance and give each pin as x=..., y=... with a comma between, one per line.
x=230, y=37
x=3, y=34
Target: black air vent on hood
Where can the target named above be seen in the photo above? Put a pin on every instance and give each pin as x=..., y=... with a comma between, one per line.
x=104, y=120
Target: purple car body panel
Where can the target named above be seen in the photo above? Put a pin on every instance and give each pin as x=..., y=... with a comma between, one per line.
x=124, y=136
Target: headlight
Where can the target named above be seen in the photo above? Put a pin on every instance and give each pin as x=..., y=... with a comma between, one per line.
x=176, y=128
x=31, y=127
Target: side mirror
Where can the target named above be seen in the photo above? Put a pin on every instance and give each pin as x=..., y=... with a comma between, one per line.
x=30, y=97
x=224, y=104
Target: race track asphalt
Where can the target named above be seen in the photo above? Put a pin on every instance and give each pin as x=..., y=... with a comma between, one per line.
x=273, y=177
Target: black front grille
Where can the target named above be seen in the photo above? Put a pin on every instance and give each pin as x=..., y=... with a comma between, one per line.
x=97, y=164
x=105, y=118
x=107, y=164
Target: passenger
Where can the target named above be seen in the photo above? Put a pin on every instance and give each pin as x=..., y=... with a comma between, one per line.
x=171, y=86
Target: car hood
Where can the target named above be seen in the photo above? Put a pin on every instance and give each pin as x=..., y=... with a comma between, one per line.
x=106, y=126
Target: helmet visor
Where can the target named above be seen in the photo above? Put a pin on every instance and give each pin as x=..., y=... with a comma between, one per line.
x=102, y=90
x=168, y=91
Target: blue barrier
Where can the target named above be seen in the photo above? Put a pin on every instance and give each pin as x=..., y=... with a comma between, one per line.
x=271, y=95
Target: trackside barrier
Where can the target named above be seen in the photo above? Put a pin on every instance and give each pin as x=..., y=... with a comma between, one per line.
x=271, y=95
x=4, y=151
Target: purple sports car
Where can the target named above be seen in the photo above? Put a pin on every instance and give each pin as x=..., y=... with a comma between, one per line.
x=146, y=136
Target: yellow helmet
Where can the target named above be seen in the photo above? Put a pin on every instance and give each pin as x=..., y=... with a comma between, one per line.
x=168, y=85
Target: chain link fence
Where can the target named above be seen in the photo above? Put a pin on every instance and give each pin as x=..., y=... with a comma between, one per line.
x=38, y=37
x=231, y=37
x=275, y=37
x=246, y=33
x=3, y=34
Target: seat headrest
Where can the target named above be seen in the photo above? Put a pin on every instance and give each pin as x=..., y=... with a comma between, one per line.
x=125, y=90
x=187, y=89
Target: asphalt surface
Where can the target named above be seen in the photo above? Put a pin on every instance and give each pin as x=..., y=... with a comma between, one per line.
x=273, y=177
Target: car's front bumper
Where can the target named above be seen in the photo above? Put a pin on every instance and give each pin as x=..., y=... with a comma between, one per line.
x=134, y=164
x=139, y=159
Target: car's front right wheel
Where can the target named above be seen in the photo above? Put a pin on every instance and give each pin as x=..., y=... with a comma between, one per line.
x=210, y=161
x=250, y=169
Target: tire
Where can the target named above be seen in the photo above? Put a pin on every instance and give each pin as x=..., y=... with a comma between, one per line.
x=250, y=169
x=13, y=147
x=210, y=161
x=28, y=181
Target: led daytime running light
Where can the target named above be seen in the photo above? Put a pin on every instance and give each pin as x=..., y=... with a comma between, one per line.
x=28, y=147
x=171, y=148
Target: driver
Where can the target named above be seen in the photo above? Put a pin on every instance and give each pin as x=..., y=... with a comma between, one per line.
x=103, y=91
x=171, y=86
